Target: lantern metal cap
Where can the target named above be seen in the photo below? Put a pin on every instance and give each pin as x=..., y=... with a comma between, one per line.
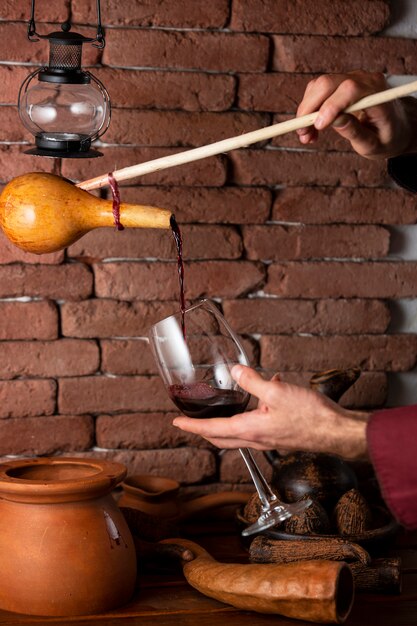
x=67, y=38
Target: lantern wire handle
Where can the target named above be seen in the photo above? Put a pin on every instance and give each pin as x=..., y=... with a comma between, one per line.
x=100, y=32
x=32, y=34
x=66, y=26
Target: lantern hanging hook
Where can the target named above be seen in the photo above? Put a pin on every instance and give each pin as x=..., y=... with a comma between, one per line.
x=66, y=26
x=32, y=34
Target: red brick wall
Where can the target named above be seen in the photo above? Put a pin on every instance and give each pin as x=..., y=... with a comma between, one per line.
x=76, y=375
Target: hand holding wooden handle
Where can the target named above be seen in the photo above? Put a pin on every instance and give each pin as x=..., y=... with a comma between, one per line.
x=242, y=141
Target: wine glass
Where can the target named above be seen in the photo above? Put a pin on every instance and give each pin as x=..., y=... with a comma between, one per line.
x=195, y=352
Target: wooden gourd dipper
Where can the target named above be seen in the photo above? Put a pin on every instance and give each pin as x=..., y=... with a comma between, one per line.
x=43, y=213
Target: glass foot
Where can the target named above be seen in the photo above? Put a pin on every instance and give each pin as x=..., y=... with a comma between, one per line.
x=275, y=515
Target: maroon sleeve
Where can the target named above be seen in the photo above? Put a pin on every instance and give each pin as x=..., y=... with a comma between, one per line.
x=392, y=442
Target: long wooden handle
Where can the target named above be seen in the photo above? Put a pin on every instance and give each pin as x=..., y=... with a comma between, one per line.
x=241, y=141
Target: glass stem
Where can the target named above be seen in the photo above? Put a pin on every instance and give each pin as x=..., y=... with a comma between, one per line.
x=265, y=493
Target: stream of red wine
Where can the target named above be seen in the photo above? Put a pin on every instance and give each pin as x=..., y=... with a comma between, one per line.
x=176, y=233
x=116, y=201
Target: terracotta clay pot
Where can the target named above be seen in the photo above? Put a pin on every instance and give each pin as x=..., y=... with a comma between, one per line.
x=65, y=546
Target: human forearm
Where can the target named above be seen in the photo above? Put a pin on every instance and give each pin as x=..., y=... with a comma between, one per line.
x=330, y=429
x=349, y=439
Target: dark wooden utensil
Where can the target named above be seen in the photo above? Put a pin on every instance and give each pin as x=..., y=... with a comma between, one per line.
x=371, y=576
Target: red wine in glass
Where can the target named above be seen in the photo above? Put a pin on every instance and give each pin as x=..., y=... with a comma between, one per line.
x=202, y=401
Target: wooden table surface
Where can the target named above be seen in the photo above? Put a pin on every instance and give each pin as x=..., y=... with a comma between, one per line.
x=167, y=599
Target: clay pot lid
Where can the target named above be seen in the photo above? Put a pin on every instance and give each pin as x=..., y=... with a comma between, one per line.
x=152, y=488
x=58, y=479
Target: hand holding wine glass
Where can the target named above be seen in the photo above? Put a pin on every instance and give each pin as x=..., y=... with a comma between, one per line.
x=195, y=357
x=288, y=417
